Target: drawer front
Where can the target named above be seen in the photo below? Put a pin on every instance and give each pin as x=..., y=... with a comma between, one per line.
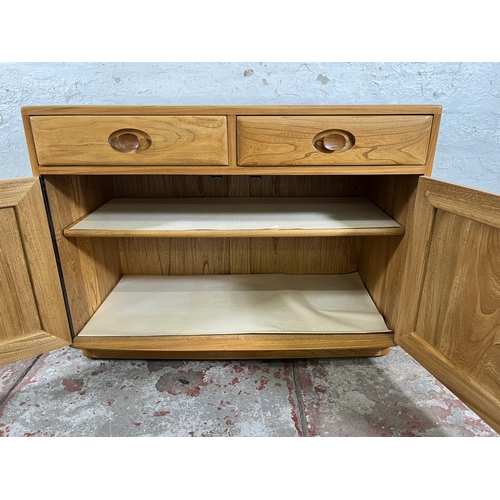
x=333, y=140
x=130, y=140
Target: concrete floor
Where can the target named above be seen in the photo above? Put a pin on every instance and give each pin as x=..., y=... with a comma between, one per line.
x=65, y=394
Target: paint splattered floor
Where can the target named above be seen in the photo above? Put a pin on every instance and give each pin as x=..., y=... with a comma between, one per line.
x=65, y=394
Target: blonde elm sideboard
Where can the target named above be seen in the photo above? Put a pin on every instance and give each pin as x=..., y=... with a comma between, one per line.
x=250, y=232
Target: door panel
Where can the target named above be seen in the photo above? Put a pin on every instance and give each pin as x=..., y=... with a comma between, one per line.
x=32, y=313
x=450, y=302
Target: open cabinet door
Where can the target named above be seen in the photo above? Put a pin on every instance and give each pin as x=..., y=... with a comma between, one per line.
x=450, y=300
x=33, y=317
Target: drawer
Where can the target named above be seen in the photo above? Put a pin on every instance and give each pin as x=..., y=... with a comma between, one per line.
x=333, y=140
x=130, y=140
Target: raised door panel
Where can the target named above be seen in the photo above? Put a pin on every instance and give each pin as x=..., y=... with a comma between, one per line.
x=450, y=303
x=33, y=317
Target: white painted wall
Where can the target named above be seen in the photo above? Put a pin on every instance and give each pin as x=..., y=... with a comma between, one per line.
x=468, y=146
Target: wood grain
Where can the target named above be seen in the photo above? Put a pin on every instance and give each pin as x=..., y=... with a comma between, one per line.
x=12, y=191
x=288, y=140
x=459, y=311
x=175, y=256
x=398, y=109
x=432, y=144
x=192, y=186
x=451, y=293
x=32, y=311
x=29, y=345
x=238, y=346
x=176, y=140
x=18, y=311
x=119, y=112
x=234, y=170
x=91, y=266
x=326, y=255
x=311, y=352
x=382, y=260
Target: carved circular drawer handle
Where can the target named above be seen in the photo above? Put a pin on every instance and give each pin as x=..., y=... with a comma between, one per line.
x=129, y=141
x=333, y=141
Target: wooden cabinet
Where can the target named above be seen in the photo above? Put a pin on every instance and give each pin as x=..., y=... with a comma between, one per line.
x=250, y=232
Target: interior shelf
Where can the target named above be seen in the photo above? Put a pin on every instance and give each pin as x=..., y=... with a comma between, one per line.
x=237, y=304
x=225, y=217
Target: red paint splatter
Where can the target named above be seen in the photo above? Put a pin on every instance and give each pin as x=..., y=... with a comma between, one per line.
x=109, y=384
x=195, y=391
x=253, y=369
x=277, y=374
x=97, y=372
x=72, y=384
x=239, y=368
x=263, y=382
x=137, y=424
x=229, y=422
x=161, y=413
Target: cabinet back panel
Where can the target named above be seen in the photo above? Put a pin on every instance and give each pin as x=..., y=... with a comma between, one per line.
x=237, y=255
x=183, y=186
x=177, y=256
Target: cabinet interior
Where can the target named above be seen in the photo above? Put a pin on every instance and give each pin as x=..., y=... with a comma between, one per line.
x=93, y=266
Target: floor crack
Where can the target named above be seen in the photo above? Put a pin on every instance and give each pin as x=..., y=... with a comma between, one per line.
x=300, y=400
x=6, y=396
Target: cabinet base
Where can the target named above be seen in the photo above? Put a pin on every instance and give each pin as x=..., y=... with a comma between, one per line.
x=251, y=346
x=339, y=353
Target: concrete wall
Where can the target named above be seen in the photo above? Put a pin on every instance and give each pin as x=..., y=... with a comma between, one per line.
x=469, y=142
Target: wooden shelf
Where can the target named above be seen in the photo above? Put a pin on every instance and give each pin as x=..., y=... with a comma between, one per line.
x=232, y=217
x=236, y=304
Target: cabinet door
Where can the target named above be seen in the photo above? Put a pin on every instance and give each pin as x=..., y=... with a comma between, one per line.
x=33, y=317
x=450, y=301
